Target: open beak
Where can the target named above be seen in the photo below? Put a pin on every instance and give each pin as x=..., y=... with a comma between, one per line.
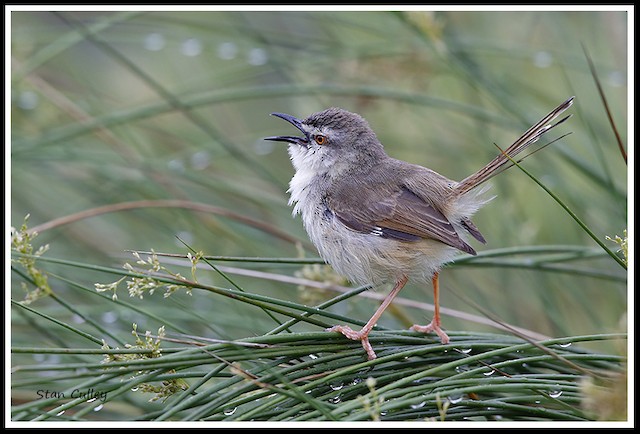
x=302, y=141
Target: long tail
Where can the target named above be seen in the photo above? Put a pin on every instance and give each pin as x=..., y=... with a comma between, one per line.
x=502, y=162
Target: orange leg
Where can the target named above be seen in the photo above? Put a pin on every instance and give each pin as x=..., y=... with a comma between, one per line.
x=363, y=335
x=434, y=325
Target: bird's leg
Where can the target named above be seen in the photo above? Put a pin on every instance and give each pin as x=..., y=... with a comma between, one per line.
x=434, y=325
x=363, y=334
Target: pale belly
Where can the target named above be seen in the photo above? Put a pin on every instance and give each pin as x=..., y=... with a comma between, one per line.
x=369, y=258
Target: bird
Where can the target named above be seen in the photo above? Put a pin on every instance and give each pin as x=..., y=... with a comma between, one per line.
x=378, y=220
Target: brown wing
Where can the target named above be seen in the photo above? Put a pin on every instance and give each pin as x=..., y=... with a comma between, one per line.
x=399, y=214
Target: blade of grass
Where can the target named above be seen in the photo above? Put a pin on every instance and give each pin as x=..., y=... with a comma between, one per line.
x=164, y=93
x=603, y=97
x=570, y=212
x=228, y=279
x=57, y=322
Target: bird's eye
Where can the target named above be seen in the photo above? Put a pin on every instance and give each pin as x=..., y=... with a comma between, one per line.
x=320, y=140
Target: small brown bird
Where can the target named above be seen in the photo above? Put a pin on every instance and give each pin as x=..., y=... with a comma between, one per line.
x=379, y=220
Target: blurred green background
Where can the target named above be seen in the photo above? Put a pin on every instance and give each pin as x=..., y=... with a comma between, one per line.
x=114, y=107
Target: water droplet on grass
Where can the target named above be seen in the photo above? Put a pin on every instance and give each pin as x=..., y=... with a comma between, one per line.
x=191, y=47
x=257, y=57
x=542, y=59
x=230, y=411
x=555, y=393
x=27, y=100
x=154, y=42
x=462, y=368
x=227, y=50
x=454, y=399
x=336, y=386
x=110, y=317
x=335, y=399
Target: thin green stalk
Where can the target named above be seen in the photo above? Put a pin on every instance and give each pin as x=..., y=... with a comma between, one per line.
x=589, y=232
x=324, y=305
x=58, y=322
x=168, y=96
x=228, y=279
x=189, y=398
x=249, y=93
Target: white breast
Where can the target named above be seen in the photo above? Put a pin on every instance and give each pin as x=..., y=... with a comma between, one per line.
x=362, y=258
x=299, y=187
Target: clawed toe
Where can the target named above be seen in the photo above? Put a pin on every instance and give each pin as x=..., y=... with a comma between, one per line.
x=431, y=327
x=361, y=336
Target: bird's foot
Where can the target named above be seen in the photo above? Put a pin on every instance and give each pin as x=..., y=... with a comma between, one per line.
x=361, y=336
x=433, y=326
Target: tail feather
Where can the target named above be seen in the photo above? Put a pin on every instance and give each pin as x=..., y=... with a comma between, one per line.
x=503, y=161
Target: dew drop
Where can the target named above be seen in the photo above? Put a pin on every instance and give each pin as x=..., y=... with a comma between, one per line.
x=454, y=399
x=313, y=356
x=200, y=160
x=154, y=42
x=335, y=399
x=227, y=50
x=336, y=386
x=257, y=57
x=191, y=47
x=176, y=165
x=110, y=317
x=466, y=351
x=555, y=393
x=542, y=59
x=418, y=405
x=462, y=368
x=617, y=78
x=98, y=408
x=92, y=399
x=488, y=373
x=135, y=389
x=61, y=413
x=356, y=380
x=230, y=411
x=28, y=100
x=565, y=345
